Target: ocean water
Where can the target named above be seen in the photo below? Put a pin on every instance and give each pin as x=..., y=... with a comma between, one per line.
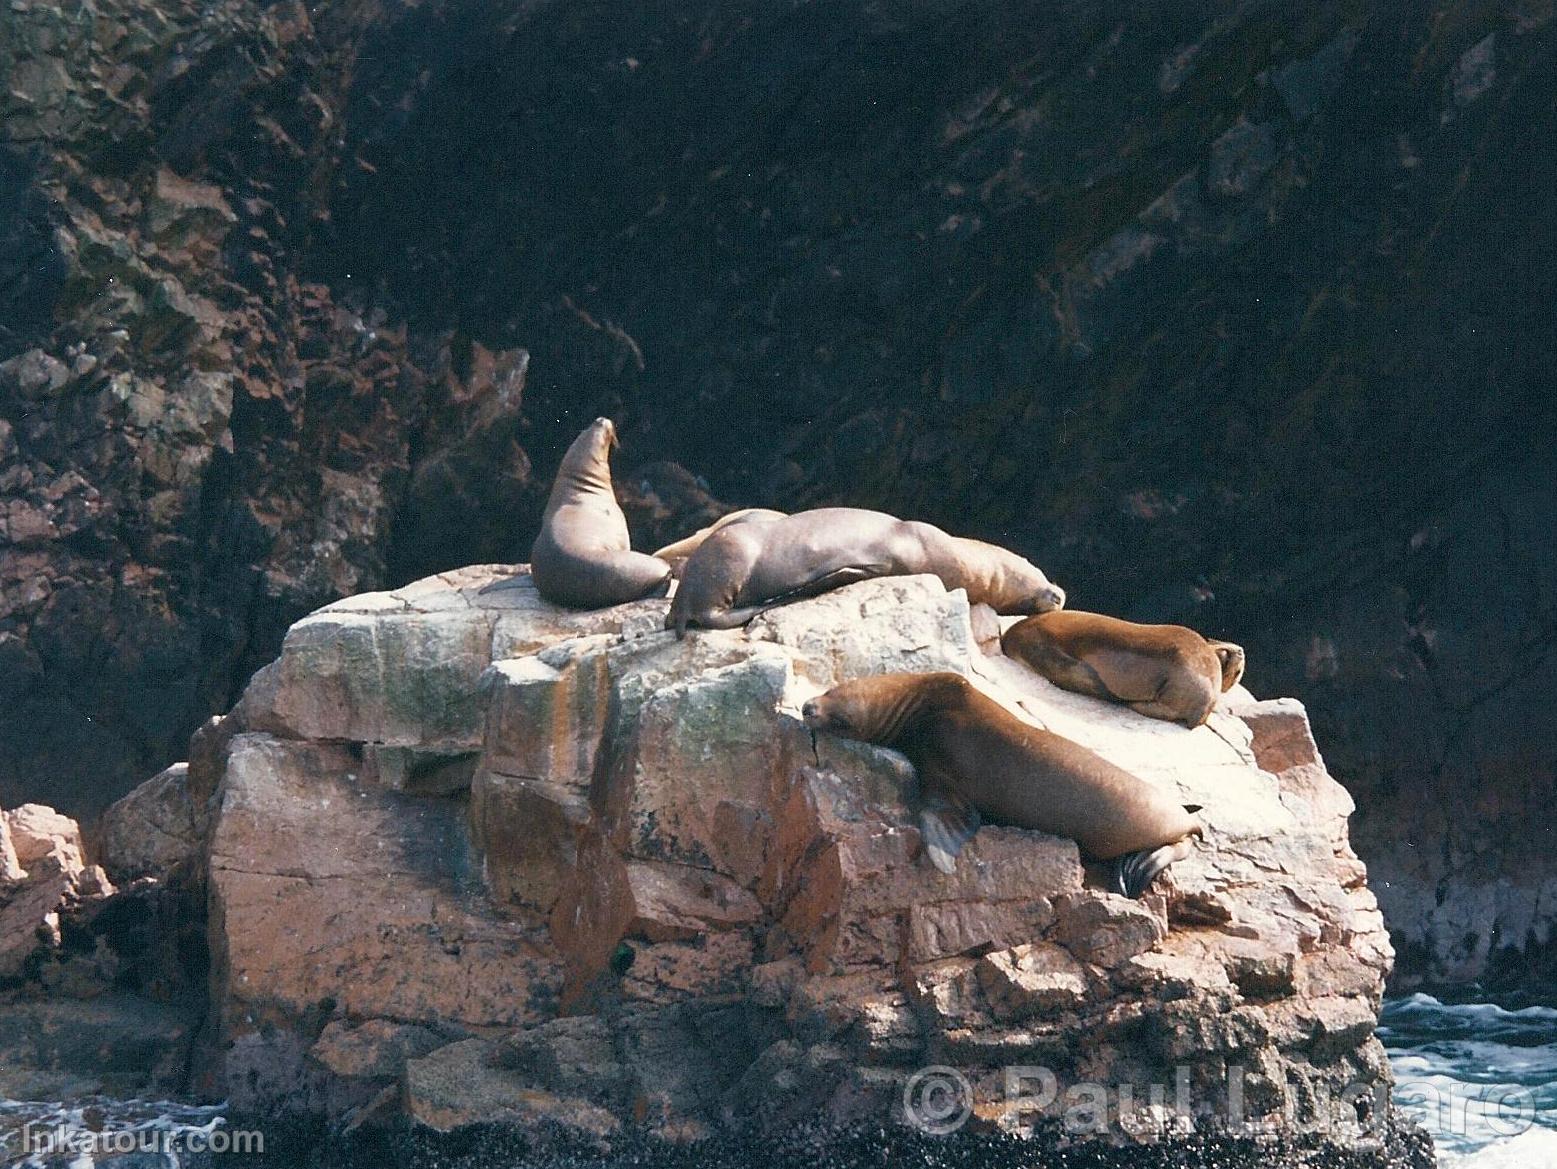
x=111, y=1134
x=1481, y=1078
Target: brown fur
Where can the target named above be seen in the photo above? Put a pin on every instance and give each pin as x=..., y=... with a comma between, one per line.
x=583, y=557
x=744, y=568
x=1162, y=671
x=676, y=554
x=964, y=743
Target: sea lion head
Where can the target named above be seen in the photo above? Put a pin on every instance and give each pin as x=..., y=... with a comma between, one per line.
x=1231, y=657
x=711, y=580
x=1022, y=587
x=839, y=711
x=877, y=709
x=602, y=437
x=587, y=465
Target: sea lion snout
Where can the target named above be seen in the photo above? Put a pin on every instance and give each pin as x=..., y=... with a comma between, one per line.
x=1051, y=598
x=607, y=430
x=825, y=713
x=1231, y=657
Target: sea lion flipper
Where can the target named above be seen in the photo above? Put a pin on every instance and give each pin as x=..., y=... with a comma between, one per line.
x=946, y=823
x=716, y=619
x=1048, y=659
x=1134, y=872
x=834, y=578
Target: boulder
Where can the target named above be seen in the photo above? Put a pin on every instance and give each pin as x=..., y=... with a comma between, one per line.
x=562, y=869
x=330, y=894
x=55, y=883
x=37, y=831
x=1032, y=979
x=155, y=828
x=116, y=1044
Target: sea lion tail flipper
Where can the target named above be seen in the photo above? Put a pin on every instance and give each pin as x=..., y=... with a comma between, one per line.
x=1135, y=871
x=1071, y=673
x=946, y=823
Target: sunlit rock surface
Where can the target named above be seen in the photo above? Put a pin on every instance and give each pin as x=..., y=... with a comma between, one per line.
x=471, y=853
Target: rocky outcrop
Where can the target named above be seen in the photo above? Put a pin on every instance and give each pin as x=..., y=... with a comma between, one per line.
x=43, y=874
x=82, y=1011
x=1139, y=295
x=199, y=443
x=470, y=857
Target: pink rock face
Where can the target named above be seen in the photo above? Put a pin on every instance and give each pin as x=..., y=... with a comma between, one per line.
x=10, y=866
x=37, y=831
x=323, y=889
x=29, y=913
x=651, y=871
x=1036, y=978
x=54, y=883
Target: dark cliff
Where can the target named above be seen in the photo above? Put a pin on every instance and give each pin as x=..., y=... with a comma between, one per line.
x=1239, y=315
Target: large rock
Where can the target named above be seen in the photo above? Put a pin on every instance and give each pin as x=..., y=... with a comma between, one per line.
x=37, y=831
x=45, y=879
x=330, y=896
x=115, y=1044
x=153, y=829
x=458, y=1085
x=562, y=868
x=1095, y=289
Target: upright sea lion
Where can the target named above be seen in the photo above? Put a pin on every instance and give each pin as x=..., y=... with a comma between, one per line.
x=744, y=568
x=583, y=557
x=972, y=755
x=1161, y=671
x=676, y=554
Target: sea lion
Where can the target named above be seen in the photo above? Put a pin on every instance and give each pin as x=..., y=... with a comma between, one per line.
x=1161, y=671
x=583, y=557
x=744, y=568
x=972, y=755
x=676, y=554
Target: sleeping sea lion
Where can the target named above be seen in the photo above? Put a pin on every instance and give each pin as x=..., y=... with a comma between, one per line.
x=583, y=557
x=744, y=568
x=676, y=554
x=972, y=755
x=1161, y=671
